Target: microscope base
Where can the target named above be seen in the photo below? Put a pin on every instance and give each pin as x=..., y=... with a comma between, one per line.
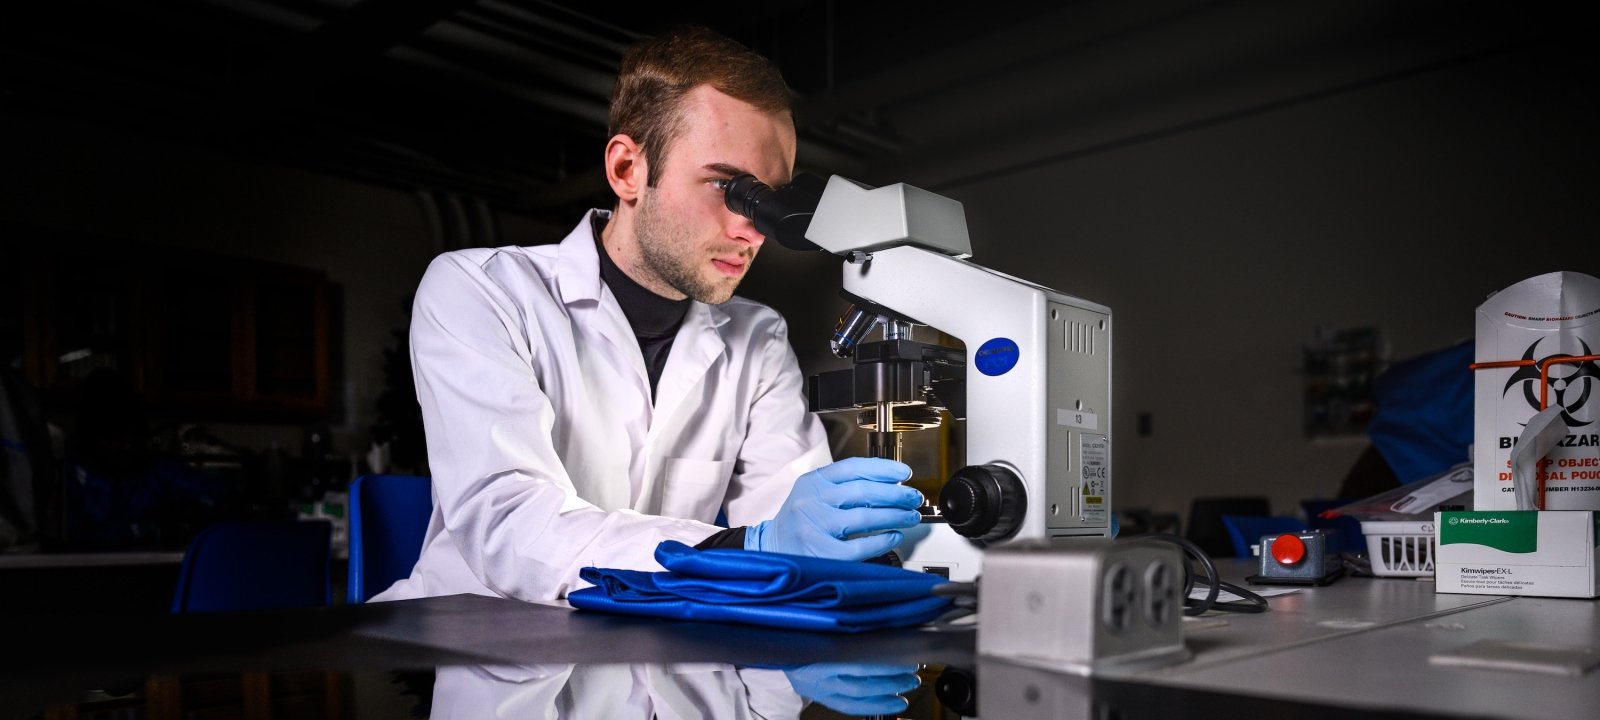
x=935, y=548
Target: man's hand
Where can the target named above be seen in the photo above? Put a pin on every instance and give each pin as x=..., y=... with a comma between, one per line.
x=848, y=510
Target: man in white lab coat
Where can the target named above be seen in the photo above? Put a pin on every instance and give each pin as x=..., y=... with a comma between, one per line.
x=587, y=400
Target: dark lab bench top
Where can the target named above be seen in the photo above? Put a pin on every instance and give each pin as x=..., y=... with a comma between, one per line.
x=31, y=560
x=123, y=583
x=50, y=656
x=1359, y=647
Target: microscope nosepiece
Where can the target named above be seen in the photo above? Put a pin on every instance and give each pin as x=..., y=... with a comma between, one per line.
x=852, y=326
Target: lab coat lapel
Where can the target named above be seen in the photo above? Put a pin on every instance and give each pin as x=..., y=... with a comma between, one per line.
x=698, y=344
x=613, y=324
x=616, y=408
x=590, y=303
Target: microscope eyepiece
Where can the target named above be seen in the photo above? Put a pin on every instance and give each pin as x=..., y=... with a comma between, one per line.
x=744, y=193
x=782, y=213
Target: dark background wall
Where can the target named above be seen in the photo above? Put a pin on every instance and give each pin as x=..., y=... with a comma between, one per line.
x=1399, y=205
x=1227, y=176
x=129, y=190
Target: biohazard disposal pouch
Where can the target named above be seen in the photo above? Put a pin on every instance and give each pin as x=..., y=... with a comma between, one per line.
x=1536, y=351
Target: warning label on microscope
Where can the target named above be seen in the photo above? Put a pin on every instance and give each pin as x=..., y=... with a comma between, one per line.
x=1096, y=465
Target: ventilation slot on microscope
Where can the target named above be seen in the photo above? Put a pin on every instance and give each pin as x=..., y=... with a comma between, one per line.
x=1080, y=337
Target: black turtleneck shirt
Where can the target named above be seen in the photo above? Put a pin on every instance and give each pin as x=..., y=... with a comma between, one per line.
x=655, y=321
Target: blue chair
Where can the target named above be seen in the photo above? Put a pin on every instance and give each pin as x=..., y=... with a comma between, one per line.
x=1246, y=530
x=1205, y=527
x=388, y=521
x=1347, y=528
x=261, y=565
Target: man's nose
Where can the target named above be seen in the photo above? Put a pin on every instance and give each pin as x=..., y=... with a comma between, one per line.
x=743, y=229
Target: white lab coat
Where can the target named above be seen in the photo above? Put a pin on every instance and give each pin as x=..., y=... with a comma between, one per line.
x=546, y=451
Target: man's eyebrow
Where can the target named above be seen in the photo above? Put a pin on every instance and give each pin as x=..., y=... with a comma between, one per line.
x=734, y=171
x=726, y=169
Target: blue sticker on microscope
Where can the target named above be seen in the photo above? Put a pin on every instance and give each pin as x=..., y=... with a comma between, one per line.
x=997, y=356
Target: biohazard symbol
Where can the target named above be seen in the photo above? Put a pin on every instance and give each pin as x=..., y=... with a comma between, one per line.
x=1566, y=380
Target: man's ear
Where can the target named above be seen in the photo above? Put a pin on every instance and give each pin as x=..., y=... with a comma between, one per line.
x=627, y=170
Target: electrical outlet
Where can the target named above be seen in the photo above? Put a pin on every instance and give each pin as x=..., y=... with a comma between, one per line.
x=1082, y=605
x=1163, y=587
x=1119, y=597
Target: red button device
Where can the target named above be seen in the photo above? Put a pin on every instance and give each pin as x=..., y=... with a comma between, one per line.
x=1288, y=549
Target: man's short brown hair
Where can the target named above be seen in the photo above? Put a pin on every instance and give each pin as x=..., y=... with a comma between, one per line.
x=658, y=72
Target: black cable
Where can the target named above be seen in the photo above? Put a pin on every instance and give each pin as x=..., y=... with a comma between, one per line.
x=964, y=596
x=1252, y=603
x=956, y=589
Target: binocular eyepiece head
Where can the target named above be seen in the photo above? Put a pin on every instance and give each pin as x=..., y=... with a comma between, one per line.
x=782, y=213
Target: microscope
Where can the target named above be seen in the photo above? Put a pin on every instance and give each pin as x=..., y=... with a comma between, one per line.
x=1033, y=382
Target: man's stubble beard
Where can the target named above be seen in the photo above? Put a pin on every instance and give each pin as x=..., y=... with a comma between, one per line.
x=668, y=250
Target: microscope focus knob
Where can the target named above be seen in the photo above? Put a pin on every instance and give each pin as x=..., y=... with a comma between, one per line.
x=983, y=502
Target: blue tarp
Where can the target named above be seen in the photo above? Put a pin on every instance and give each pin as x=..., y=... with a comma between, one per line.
x=762, y=588
x=1423, y=422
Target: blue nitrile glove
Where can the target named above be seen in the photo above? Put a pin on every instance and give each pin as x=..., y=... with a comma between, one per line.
x=830, y=506
x=855, y=688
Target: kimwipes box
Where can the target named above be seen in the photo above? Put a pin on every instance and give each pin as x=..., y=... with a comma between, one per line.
x=1547, y=553
x=1531, y=339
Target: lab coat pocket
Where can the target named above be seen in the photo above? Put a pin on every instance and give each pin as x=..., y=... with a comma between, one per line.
x=693, y=489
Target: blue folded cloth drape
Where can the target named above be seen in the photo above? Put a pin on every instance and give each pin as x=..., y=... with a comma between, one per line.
x=1423, y=420
x=764, y=588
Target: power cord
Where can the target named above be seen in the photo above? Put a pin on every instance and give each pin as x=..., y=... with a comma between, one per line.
x=964, y=596
x=1252, y=603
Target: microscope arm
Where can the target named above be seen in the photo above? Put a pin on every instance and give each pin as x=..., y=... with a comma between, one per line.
x=1037, y=366
x=1018, y=382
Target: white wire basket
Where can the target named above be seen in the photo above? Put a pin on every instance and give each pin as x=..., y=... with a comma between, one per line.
x=1399, y=549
